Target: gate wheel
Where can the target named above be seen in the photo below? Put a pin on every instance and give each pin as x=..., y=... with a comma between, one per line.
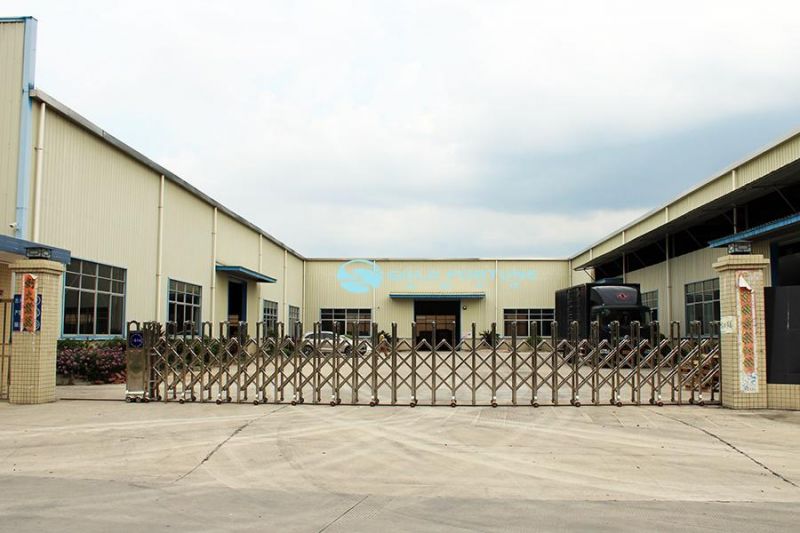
x=255, y=402
x=494, y=404
x=219, y=401
x=577, y=404
x=338, y=401
x=660, y=403
x=702, y=403
x=619, y=403
x=413, y=403
x=535, y=404
x=453, y=403
x=652, y=401
x=181, y=401
x=294, y=402
x=333, y=403
x=372, y=403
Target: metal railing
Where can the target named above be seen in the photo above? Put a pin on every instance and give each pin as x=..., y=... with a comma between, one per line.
x=607, y=368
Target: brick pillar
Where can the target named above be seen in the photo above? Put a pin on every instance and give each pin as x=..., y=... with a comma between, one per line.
x=742, y=328
x=33, y=354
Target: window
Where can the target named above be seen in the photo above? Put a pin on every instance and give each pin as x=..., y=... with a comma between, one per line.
x=524, y=319
x=702, y=303
x=184, y=305
x=347, y=320
x=294, y=318
x=650, y=299
x=94, y=299
x=270, y=317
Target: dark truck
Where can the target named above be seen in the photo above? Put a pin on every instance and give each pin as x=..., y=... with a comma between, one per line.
x=602, y=302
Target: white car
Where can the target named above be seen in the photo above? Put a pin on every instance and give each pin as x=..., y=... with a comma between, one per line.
x=326, y=339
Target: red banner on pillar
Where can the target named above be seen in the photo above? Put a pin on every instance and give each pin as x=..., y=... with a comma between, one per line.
x=747, y=332
x=28, y=307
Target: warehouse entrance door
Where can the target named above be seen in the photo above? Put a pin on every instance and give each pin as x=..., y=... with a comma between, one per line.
x=237, y=305
x=439, y=319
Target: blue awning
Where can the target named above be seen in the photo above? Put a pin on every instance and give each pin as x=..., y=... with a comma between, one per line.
x=245, y=273
x=757, y=231
x=16, y=246
x=437, y=295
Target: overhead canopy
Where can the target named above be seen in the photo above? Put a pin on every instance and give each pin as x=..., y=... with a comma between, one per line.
x=758, y=231
x=437, y=295
x=11, y=247
x=245, y=273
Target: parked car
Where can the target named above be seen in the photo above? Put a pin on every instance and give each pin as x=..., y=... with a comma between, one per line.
x=326, y=340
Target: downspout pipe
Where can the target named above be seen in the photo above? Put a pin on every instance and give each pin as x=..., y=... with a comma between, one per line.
x=160, y=250
x=25, y=134
x=38, y=176
x=213, y=266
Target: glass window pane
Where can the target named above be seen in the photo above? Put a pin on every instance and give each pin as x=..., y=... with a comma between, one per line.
x=73, y=280
x=104, y=285
x=88, y=282
x=117, y=310
x=74, y=266
x=89, y=268
x=104, y=271
x=103, y=314
x=86, y=323
x=119, y=274
x=70, y=312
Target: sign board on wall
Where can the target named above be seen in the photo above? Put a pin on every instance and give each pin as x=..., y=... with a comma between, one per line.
x=18, y=313
x=746, y=330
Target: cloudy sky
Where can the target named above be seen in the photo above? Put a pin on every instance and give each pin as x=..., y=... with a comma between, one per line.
x=400, y=128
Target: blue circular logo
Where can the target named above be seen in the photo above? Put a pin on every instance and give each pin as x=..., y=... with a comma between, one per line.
x=136, y=339
x=359, y=276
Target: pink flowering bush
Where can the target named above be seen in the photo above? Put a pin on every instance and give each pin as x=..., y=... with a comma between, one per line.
x=96, y=362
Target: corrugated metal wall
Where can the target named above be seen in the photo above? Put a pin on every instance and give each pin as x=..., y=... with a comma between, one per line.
x=773, y=159
x=188, y=222
x=103, y=206
x=12, y=36
x=517, y=284
x=688, y=268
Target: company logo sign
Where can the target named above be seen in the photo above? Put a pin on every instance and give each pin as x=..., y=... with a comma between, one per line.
x=359, y=276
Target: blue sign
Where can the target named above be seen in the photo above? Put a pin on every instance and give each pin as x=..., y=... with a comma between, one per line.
x=136, y=339
x=359, y=276
x=17, y=318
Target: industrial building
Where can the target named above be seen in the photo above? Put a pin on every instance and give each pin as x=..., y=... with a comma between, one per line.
x=142, y=243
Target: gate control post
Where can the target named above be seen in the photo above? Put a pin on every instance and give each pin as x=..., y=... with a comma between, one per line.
x=742, y=339
x=33, y=347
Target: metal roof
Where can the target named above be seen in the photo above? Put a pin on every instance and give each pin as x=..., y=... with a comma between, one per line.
x=91, y=127
x=245, y=273
x=726, y=171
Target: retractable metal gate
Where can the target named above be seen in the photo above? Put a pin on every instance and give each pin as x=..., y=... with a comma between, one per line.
x=385, y=369
x=5, y=347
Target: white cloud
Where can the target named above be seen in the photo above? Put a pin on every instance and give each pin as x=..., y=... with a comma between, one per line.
x=270, y=106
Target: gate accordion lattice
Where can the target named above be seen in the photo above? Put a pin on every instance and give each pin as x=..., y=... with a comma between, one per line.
x=384, y=369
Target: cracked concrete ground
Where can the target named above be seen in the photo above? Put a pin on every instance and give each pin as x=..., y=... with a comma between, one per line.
x=107, y=465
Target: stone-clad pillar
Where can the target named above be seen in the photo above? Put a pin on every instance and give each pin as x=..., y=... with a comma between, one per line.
x=742, y=329
x=33, y=353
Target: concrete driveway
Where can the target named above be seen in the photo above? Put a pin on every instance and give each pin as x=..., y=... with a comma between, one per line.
x=107, y=465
